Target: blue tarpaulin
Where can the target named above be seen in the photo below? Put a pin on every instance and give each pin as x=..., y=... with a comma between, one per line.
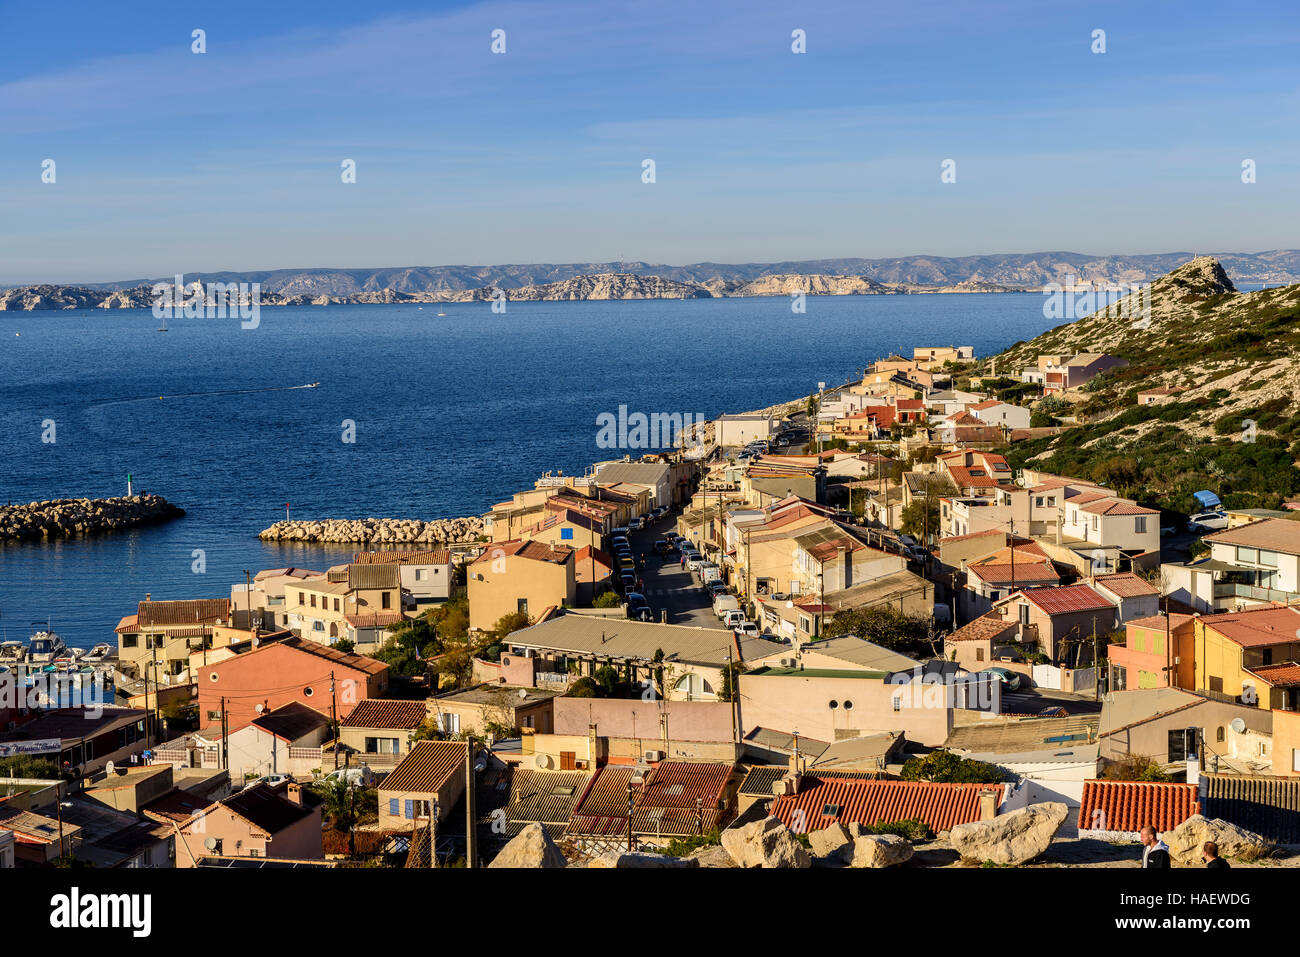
x=1207, y=499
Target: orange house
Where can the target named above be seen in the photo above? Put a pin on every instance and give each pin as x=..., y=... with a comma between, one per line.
x=294, y=669
x=1155, y=650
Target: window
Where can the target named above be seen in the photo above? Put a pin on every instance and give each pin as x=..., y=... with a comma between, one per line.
x=336, y=604
x=130, y=641
x=568, y=761
x=1268, y=559
x=1024, y=613
x=393, y=807
x=831, y=810
x=1216, y=684
x=317, y=625
x=1096, y=522
x=1218, y=734
x=1140, y=525
x=1177, y=744
x=979, y=654
x=898, y=703
x=386, y=600
x=422, y=574
x=254, y=852
x=1248, y=555
x=313, y=601
x=522, y=605
x=302, y=598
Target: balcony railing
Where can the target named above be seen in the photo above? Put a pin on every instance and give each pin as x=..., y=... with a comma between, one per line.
x=1253, y=592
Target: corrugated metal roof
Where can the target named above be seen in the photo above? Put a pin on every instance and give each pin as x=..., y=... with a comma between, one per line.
x=387, y=575
x=664, y=805
x=825, y=800
x=546, y=797
x=1132, y=805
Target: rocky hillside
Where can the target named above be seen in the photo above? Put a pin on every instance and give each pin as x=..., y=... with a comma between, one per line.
x=1232, y=362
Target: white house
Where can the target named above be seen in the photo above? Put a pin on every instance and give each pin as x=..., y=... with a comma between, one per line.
x=1002, y=414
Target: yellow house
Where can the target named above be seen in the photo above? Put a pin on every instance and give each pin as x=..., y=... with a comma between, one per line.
x=1249, y=655
x=358, y=602
x=160, y=635
x=519, y=576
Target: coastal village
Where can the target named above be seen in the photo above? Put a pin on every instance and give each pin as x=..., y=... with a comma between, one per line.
x=845, y=631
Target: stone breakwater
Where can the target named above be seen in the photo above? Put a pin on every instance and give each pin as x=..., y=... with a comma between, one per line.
x=376, y=531
x=69, y=517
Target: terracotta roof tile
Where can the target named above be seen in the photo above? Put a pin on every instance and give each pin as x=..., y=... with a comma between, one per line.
x=1132, y=805
x=385, y=713
x=863, y=801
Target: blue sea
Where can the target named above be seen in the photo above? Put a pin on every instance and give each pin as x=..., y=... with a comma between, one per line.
x=451, y=415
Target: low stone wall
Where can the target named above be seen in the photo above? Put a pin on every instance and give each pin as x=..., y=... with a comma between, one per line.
x=69, y=517
x=378, y=531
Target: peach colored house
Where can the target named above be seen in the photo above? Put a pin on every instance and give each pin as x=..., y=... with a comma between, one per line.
x=519, y=576
x=294, y=669
x=260, y=821
x=1155, y=650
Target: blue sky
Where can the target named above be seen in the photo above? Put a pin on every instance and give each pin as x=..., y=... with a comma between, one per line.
x=169, y=161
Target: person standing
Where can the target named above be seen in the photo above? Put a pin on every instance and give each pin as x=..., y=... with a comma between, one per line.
x=1210, y=855
x=1155, y=852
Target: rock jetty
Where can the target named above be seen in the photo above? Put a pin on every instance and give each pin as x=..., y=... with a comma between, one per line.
x=377, y=531
x=69, y=517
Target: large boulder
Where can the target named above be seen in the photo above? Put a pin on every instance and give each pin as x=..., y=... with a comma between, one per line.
x=1012, y=838
x=831, y=842
x=636, y=859
x=880, y=850
x=531, y=847
x=715, y=855
x=1186, y=840
x=765, y=843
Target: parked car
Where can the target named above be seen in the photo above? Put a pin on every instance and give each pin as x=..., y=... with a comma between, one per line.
x=733, y=617
x=693, y=561
x=1010, y=679
x=361, y=777
x=620, y=532
x=635, y=524
x=717, y=587
x=274, y=780
x=1207, y=521
x=723, y=604
x=663, y=546
x=628, y=580
x=745, y=629
x=709, y=572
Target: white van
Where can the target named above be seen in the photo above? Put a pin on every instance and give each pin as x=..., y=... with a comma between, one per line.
x=709, y=572
x=725, y=603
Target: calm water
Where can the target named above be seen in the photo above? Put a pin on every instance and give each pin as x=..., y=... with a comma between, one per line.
x=451, y=415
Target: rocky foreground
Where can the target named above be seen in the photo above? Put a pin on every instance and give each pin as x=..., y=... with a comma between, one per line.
x=374, y=531
x=70, y=517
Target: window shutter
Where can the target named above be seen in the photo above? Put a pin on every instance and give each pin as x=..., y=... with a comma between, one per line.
x=410, y=808
x=392, y=806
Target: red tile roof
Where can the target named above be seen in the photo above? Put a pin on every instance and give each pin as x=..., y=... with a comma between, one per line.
x=536, y=551
x=1256, y=627
x=1274, y=534
x=663, y=804
x=1118, y=508
x=874, y=802
x=984, y=628
x=1132, y=805
x=1283, y=675
x=1066, y=599
x=1127, y=585
x=199, y=611
x=385, y=713
x=402, y=558
x=427, y=768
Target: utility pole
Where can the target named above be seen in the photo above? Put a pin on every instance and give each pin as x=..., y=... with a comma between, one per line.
x=334, y=717
x=471, y=820
x=733, y=685
x=629, y=813
x=225, y=739
x=248, y=591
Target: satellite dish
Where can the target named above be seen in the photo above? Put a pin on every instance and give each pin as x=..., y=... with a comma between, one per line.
x=523, y=693
x=110, y=767
x=210, y=843
x=259, y=707
x=543, y=761
x=1238, y=725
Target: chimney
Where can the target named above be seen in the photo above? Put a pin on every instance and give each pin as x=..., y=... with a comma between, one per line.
x=294, y=793
x=593, y=746
x=148, y=596
x=988, y=804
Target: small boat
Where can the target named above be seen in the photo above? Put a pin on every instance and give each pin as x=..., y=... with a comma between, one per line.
x=442, y=313
x=13, y=652
x=44, y=648
x=97, y=654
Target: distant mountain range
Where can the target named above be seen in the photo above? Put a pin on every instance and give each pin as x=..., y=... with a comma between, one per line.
x=640, y=280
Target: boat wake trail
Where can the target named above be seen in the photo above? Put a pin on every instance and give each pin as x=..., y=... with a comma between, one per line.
x=194, y=395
